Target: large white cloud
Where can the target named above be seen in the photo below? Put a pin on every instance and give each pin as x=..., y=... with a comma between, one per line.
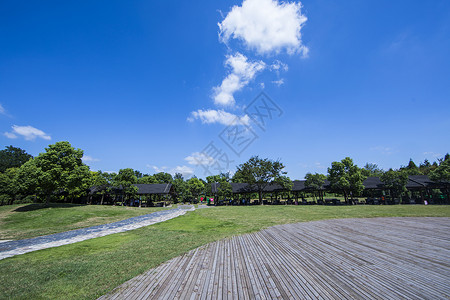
x=242, y=71
x=28, y=132
x=199, y=158
x=266, y=26
x=212, y=116
x=184, y=170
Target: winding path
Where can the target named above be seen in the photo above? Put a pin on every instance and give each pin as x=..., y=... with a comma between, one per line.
x=12, y=248
x=379, y=258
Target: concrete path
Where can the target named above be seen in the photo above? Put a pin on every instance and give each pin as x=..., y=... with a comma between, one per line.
x=11, y=248
x=380, y=258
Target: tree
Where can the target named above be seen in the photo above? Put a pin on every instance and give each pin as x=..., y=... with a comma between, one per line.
x=371, y=170
x=260, y=173
x=13, y=157
x=315, y=182
x=442, y=174
x=181, y=188
x=395, y=182
x=147, y=179
x=61, y=169
x=411, y=168
x=224, y=187
x=8, y=185
x=346, y=177
x=28, y=179
x=125, y=180
x=196, y=187
x=163, y=177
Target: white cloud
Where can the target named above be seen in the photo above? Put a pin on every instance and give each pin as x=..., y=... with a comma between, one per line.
x=383, y=150
x=432, y=154
x=278, y=82
x=2, y=110
x=212, y=116
x=10, y=135
x=267, y=26
x=278, y=65
x=198, y=158
x=157, y=169
x=87, y=158
x=242, y=71
x=184, y=170
x=28, y=132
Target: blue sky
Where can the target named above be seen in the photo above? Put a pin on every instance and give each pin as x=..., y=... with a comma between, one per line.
x=151, y=85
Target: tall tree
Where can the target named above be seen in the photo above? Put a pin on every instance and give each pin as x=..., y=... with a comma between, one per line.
x=62, y=169
x=224, y=187
x=315, y=182
x=411, y=168
x=395, y=182
x=125, y=180
x=163, y=177
x=442, y=175
x=371, y=170
x=13, y=157
x=260, y=173
x=196, y=187
x=346, y=177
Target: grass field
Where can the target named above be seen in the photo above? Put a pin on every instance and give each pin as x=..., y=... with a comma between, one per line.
x=88, y=269
x=30, y=220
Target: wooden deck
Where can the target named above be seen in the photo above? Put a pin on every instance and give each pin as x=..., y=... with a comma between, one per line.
x=381, y=258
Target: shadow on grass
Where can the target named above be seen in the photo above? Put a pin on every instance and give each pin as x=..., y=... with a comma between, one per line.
x=37, y=206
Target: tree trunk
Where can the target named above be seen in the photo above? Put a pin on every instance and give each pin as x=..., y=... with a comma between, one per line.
x=260, y=197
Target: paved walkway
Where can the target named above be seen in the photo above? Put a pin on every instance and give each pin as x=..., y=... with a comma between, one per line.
x=381, y=258
x=11, y=248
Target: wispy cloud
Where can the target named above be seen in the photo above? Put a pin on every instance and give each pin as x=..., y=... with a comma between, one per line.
x=278, y=82
x=2, y=110
x=266, y=26
x=242, y=71
x=432, y=154
x=383, y=150
x=212, y=116
x=29, y=133
x=87, y=158
x=157, y=169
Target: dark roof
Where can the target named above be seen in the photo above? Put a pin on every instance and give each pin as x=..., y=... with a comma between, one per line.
x=373, y=183
x=145, y=189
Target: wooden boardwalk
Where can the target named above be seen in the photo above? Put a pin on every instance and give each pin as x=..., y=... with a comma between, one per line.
x=381, y=258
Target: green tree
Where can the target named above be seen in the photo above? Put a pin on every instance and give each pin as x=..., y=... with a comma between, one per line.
x=224, y=187
x=260, y=173
x=181, y=188
x=61, y=169
x=346, y=177
x=395, y=182
x=196, y=187
x=28, y=179
x=147, y=179
x=315, y=182
x=371, y=170
x=8, y=185
x=441, y=175
x=124, y=181
x=13, y=157
x=163, y=177
x=411, y=168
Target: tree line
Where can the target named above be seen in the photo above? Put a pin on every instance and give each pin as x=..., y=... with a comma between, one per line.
x=59, y=174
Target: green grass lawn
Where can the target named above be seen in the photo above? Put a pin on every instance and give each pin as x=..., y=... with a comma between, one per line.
x=88, y=269
x=30, y=220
